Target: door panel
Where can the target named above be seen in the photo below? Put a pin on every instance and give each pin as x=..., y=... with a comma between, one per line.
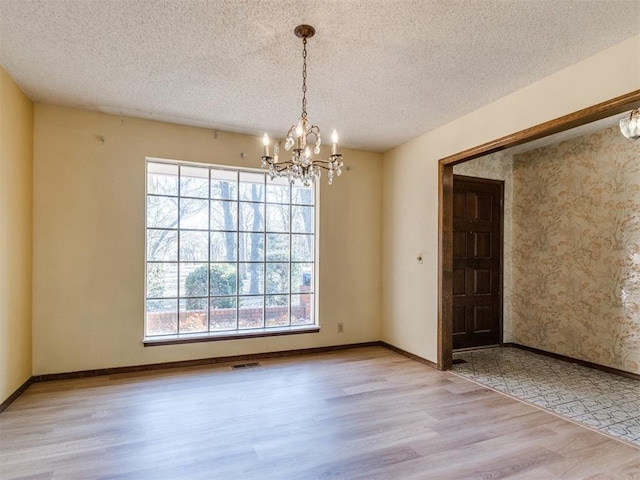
x=477, y=263
x=482, y=319
x=482, y=244
x=460, y=244
x=482, y=282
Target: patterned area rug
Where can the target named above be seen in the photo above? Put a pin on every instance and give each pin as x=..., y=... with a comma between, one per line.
x=600, y=400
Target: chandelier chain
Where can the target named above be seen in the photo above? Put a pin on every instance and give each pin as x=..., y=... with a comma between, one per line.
x=304, y=77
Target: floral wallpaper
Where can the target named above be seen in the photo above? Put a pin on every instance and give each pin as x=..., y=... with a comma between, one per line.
x=498, y=166
x=576, y=249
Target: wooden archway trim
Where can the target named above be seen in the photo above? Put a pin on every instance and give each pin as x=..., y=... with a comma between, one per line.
x=587, y=115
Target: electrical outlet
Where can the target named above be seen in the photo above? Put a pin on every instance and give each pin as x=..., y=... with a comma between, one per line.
x=340, y=327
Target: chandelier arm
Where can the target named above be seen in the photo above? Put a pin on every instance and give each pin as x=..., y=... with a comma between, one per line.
x=315, y=131
x=331, y=164
x=278, y=167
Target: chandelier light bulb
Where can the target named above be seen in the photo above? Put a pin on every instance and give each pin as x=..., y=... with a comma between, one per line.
x=265, y=142
x=334, y=137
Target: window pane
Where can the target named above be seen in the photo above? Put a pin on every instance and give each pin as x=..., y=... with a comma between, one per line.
x=222, y=313
x=302, y=309
x=224, y=215
x=193, y=279
x=194, y=246
x=193, y=315
x=224, y=184
x=302, y=219
x=251, y=217
x=162, y=245
x=277, y=218
x=162, y=317
x=162, y=212
x=302, y=248
x=223, y=278
x=252, y=186
x=162, y=280
x=162, y=179
x=251, y=312
x=277, y=247
x=277, y=278
x=277, y=311
x=278, y=190
x=251, y=247
x=194, y=214
x=224, y=247
x=301, y=277
x=302, y=195
x=194, y=182
x=251, y=278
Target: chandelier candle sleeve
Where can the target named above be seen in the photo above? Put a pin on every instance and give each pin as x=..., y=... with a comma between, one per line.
x=299, y=131
x=303, y=139
x=265, y=142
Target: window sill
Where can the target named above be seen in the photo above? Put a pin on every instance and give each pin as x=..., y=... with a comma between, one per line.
x=218, y=336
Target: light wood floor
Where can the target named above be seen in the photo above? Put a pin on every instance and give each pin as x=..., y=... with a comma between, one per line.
x=365, y=413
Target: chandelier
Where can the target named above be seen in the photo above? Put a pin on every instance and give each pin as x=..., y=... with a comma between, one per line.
x=302, y=138
x=630, y=124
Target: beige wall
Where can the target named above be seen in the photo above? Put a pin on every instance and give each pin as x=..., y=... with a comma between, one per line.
x=410, y=194
x=16, y=189
x=576, y=255
x=89, y=241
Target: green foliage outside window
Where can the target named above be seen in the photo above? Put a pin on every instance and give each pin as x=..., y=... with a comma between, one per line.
x=222, y=278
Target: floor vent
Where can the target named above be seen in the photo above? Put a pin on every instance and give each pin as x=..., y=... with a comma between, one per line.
x=240, y=366
x=458, y=361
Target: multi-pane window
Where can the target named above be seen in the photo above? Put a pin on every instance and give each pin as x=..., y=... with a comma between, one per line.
x=227, y=250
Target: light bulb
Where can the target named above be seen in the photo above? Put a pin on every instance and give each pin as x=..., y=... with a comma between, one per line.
x=265, y=142
x=334, y=143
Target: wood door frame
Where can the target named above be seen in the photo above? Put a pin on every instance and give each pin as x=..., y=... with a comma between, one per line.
x=499, y=183
x=587, y=115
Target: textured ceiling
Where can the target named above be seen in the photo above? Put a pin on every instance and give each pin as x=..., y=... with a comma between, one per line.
x=380, y=71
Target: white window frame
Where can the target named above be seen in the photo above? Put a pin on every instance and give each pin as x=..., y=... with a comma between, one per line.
x=177, y=297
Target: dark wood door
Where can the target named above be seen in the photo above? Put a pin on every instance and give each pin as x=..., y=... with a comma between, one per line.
x=477, y=262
